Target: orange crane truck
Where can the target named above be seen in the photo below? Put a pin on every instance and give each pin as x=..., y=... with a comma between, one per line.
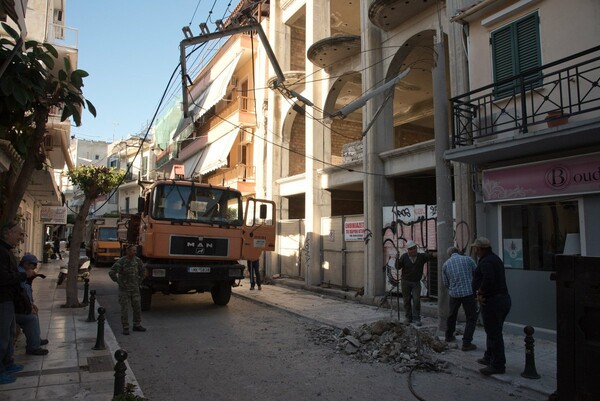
x=193, y=236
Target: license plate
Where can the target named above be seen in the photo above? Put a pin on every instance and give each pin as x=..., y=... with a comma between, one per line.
x=198, y=269
x=158, y=273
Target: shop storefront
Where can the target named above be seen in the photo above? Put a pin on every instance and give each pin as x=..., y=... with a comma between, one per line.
x=533, y=212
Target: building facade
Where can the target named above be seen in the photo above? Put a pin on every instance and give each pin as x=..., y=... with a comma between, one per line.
x=528, y=124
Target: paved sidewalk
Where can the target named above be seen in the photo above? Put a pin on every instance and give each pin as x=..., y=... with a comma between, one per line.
x=72, y=369
x=328, y=308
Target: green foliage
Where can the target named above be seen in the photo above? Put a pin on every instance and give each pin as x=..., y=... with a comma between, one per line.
x=29, y=87
x=129, y=395
x=95, y=180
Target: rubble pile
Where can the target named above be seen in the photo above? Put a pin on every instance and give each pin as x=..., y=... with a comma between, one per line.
x=385, y=341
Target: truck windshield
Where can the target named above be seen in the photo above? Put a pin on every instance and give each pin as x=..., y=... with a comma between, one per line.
x=197, y=204
x=107, y=234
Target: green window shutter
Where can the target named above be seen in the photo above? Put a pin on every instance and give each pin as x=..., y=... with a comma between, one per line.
x=528, y=47
x=504, y=59
x=515, y=49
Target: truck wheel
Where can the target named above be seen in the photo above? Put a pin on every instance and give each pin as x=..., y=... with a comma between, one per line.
x=221, y=293
x=145, y=298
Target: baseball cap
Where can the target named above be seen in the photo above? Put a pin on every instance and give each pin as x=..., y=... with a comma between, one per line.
x=481, y=242
x=410, y=244
x=29, y=258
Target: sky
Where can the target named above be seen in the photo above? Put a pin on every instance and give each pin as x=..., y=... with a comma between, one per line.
x=130, y=49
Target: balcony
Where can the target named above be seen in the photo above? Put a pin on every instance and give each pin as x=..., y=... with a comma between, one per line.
x=237, y=112
x=240, y=177
x=329, y=52
x=529, y=107
x=388, y=14
x=63, y=36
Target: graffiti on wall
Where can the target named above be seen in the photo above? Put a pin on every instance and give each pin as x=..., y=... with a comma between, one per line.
x=404, y=223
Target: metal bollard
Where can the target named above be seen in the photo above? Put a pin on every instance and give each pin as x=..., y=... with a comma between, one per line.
x=529, y=372
x=100, y=336
x=91, y=312
x=86, y=288
x=120, y=369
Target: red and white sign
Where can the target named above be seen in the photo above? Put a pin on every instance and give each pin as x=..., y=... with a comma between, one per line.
x=354, y=230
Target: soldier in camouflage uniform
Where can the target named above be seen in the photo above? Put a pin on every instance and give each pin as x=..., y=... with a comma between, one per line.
x=128, y=272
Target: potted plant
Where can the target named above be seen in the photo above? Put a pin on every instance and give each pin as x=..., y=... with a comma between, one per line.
x=556, y=117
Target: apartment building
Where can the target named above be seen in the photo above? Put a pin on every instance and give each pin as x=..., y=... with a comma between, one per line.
x=217, y=135
x=526, y=120
x=338, y=167
x=136, y=156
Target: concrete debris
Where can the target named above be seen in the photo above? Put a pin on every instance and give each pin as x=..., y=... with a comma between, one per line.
x=385, y=341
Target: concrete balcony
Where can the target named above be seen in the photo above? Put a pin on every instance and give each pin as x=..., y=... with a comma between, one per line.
x=328, y=52
x=389, y=14
x=240, y=177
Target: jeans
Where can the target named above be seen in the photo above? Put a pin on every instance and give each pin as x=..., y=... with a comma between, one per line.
x=411, y=291
x=470, y=307
x=254, y=270
x=493, y=313
x=7, y=334
x=31, y=327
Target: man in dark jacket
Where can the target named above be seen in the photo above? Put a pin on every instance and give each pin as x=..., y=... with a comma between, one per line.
x=411, y=263
x=489, y=283
x=11, y=233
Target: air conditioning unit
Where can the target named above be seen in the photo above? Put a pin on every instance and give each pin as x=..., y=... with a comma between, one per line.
x=246, y=137
x=233, y=82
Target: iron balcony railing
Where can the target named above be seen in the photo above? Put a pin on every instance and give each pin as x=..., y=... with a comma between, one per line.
x=558, y=90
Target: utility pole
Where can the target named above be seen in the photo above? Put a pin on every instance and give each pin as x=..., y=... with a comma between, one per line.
x=220, y=33
x=443, y=183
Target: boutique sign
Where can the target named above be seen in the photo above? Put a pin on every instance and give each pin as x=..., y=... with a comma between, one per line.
x=568, y=176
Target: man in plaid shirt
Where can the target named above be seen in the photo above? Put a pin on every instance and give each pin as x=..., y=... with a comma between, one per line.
x=457, y=275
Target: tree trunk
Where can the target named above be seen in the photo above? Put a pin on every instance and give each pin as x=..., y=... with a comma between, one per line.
x=16, y=190
x=74, y=251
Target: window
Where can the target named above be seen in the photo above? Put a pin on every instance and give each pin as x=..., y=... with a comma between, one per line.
x=516, y=49
x=533, y=233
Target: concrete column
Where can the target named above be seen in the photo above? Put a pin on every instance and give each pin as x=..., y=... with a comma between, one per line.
x=272, y=160
x=317, y=200
x=443, y=182
x=377, y=190
x=459, y=81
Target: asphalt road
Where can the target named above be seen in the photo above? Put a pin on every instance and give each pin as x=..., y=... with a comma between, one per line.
x=194, y=350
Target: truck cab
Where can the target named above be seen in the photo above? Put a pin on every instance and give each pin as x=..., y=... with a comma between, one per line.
x=102, y=245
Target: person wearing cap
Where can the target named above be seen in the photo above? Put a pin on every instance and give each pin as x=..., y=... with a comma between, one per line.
x=30, y=322
x=11, y=234
x=128, y=272
x=489, y=283
x=411, y=265
x=457, y=276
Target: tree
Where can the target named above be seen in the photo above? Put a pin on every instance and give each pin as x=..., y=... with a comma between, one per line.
x=28, y=91
x=93, y=181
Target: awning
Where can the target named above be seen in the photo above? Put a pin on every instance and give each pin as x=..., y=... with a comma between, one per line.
x=215, y=91
x=215, y=155
x=191, y=163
